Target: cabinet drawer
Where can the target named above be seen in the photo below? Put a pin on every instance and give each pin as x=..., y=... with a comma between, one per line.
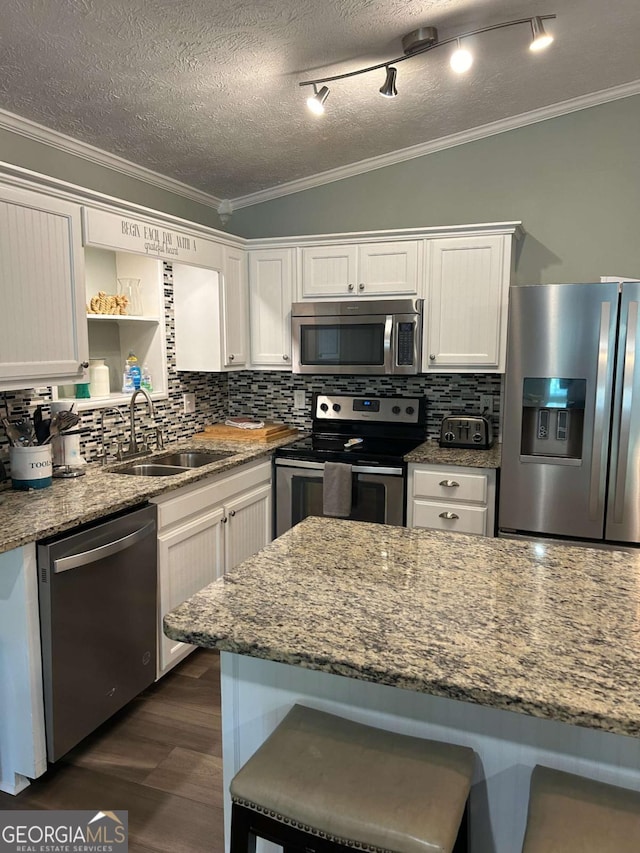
x=450, y=486
x=467, y=519
x=177, y=506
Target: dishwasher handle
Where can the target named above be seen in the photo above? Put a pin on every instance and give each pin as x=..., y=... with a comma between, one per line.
x=75, y=561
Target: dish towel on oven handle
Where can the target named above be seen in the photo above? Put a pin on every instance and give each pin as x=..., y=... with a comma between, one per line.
x=336, y=490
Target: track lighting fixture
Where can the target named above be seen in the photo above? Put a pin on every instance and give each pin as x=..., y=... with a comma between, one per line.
x=420, y=41
x=316, y=101
x=388, y=89
x=461, y=59
x=541, y=39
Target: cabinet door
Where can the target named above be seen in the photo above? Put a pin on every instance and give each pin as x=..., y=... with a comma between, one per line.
x=235, y=309
x=270, y=297
x=466, y=317
x=329, y=271
x=43, y=327
x=190, y=557
x=388, y=269
x=248, y=527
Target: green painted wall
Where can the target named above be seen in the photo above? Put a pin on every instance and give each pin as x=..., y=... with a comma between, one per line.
x=574, y=181
x=38, y=157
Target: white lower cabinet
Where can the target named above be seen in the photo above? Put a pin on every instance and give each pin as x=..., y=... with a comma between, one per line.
x=457, y=499
x=203, y=531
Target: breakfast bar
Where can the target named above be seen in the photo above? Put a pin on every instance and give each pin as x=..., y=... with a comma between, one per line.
x=527, y=652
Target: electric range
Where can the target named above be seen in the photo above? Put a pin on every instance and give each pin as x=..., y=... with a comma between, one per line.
x=369, y=437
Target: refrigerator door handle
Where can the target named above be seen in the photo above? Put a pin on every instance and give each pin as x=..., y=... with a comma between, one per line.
x=625, y=413
x=596, y=488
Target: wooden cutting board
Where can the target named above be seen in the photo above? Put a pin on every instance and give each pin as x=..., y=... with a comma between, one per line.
x=269, y=432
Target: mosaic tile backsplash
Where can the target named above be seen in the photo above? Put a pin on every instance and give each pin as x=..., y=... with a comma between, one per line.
x=263, y=394
x=269, y=394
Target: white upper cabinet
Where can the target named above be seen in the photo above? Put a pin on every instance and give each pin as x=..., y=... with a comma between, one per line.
x=43, y=331
x=235, y=309
x=270, y=298
x=369, y=269
x=210, y=309
x=467, y=291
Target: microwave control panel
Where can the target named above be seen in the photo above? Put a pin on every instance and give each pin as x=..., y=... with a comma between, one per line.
x=405, y=352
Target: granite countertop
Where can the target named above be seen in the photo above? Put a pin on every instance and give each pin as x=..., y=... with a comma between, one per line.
x=551, y=631
x=430, y=453
x=27, y=516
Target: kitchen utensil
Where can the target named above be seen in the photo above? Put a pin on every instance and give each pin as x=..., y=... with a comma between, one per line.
x=12, y=433
x=42, y=430
x=66, y=420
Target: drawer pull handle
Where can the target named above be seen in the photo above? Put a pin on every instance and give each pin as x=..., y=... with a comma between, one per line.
x=449, y=484
x=448, y=515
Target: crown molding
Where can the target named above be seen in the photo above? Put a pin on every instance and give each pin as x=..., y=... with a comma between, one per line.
x=39, y=133
x=561, y=108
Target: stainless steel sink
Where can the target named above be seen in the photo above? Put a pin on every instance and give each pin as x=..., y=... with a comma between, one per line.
x=191, y=458
x=173, y=463
x=147, y=470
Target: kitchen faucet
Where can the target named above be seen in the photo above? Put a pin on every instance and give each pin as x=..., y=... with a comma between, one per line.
x=114, y=411
x=134, y=448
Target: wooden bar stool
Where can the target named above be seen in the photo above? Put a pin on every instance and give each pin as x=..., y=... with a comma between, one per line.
x=323, y=783
x=569, y=813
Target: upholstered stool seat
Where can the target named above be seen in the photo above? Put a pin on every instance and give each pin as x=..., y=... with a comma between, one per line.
x=569, y=813
x=324, y=783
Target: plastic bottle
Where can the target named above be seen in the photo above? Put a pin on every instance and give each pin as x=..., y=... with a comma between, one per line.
x=127, y=381
x=145, y=380
x=134, y=369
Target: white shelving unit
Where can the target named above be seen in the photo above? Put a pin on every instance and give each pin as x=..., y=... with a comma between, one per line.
x=112, y=337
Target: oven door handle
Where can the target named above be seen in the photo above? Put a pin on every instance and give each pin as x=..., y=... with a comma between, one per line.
x=357, y=469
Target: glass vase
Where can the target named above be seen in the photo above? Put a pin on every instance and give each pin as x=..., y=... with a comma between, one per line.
x=132, y=289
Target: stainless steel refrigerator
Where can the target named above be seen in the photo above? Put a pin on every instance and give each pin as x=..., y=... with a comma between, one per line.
x=571, y=431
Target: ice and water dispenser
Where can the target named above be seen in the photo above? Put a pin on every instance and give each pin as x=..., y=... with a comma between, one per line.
x=553, y=417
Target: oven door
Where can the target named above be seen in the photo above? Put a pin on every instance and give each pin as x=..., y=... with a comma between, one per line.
x=378, y=493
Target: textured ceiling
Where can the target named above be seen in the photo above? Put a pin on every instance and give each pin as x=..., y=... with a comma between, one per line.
x=206, y=91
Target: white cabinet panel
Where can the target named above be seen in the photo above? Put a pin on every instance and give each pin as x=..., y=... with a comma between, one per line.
x=270, y=298
x=235, y=308
x=43, y=331
x=466, y=315
x=454, y=498
x=454, y=518
x=210, y=310
x=388, y=268
x=248, y=525
x=329, y=270
x=204, y=530
x=190, y=557
x=385, y=268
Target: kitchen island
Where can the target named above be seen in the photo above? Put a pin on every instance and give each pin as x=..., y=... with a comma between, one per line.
x=439, y=635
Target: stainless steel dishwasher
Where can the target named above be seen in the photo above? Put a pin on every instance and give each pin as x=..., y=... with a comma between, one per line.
x=98, y=617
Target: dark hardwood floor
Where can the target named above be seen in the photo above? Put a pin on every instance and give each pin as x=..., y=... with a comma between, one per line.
x=159, y=758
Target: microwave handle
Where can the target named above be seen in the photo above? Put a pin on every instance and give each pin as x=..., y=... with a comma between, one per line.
x=388, y=344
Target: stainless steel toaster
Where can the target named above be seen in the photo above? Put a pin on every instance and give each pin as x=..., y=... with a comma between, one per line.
x=466, y=431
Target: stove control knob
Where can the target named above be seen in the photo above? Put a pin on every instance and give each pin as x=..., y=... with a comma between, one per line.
x=324, y=407
x=396, y=410
x=336, y=407
x=410, y=410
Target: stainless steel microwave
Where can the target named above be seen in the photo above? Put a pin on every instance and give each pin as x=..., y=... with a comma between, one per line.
x=376, y=337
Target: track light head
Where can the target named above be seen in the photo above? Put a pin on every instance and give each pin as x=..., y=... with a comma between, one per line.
x=461, y=59
x=316, y=101
x=541, y=38
x=388, y=88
